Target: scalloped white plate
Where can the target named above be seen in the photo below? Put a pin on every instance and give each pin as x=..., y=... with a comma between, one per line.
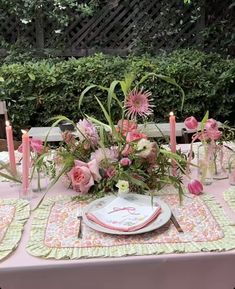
x=161, y=220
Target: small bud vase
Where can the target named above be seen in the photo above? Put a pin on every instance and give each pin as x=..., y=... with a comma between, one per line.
x=39, y=180
x=205, y=162
x=219, y=159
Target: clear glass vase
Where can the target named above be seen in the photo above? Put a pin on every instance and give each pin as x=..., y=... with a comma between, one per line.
x=219, y=158
x=205, y=162
x=39, y=180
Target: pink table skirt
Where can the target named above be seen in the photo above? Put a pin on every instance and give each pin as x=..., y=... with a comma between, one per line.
x=167, y=271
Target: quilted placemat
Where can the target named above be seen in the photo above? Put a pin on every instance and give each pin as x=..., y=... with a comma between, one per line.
x=13, y=215
x=229, y=197
x=4, y=159
x=55, y=230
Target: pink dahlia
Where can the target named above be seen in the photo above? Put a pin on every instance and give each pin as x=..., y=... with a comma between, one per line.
x=138, y=103
x=109, y=154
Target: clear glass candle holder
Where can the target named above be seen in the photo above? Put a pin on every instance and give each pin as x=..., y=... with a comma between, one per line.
x=25, y=193
x=231, y=170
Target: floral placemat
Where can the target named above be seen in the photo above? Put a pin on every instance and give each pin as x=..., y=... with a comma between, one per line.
x=229, y=197
x=55, y=230
x=13, y=214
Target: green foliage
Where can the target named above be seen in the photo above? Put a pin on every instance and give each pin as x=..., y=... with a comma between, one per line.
x=40, y=90
x=56, y=10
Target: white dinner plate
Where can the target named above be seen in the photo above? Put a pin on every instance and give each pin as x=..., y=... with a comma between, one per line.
x=161, y=220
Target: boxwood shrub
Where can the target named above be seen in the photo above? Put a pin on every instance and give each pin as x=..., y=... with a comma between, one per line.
x=36, y=91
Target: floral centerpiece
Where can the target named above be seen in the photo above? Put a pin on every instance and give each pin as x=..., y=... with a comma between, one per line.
x=97, y=155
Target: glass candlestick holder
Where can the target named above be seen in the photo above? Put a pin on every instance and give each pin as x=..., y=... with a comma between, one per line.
x=25, y=193
x=231, y=170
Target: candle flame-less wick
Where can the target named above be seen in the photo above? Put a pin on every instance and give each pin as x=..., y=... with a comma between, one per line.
x=7, y=123
x=24, y=131
x=171, y=113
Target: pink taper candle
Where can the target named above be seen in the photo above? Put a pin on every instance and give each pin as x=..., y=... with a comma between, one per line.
x=173, y=139
x=172, y=132
x=10, y=146
x=26, y=161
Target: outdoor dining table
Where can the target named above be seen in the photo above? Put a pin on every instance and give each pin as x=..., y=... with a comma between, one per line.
x=202, y=270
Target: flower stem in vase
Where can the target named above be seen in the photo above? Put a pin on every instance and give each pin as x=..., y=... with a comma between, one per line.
x=215, y=165
x=205, y=163
x=219, y=172
x=39, y=183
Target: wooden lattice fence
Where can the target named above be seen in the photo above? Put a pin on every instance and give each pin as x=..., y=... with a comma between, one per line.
x=123, y=27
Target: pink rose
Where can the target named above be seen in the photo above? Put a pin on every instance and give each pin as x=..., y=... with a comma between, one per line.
x=191, y=123
x=92, y=166
x=211, y=124
x=81, y=179
x=195, y=187
x=125, y=126
x=135, y=135
x=125, y=162
x=83, y=176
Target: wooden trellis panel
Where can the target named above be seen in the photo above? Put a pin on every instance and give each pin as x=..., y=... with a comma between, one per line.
x=162, y=24
x=118, y=28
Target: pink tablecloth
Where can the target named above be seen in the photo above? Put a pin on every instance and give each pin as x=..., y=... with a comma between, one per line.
x=172, y=271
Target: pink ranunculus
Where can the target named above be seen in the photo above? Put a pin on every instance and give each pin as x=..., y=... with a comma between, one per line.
x=211, y=124
x=135, y=135
x=81, y=178
x=191, y=122
x=125, y=126
x=195, y=187
x=125, y=162
x=36, y=145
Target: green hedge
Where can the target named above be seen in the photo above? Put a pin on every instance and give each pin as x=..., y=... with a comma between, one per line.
x=38, y=91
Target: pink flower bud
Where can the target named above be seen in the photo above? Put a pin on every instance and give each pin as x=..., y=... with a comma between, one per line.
x=214, y=134
x=125, y=162
x=127, y=150
x=211, y=124
x=195, y=187
x=110, y=172
x=191, y=122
